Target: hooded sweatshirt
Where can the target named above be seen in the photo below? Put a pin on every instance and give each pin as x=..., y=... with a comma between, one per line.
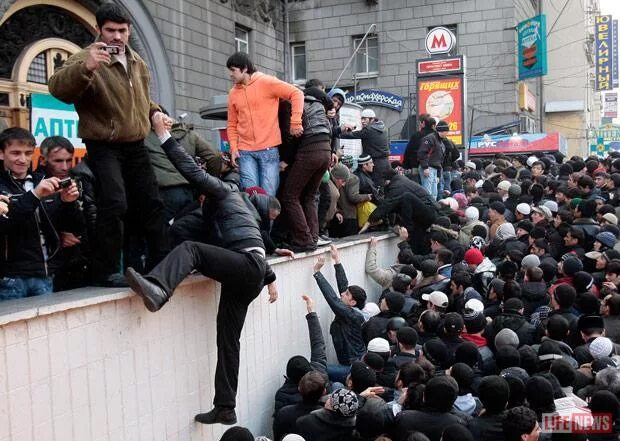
x=374, y=139
x=466, y=404
x=253, y=112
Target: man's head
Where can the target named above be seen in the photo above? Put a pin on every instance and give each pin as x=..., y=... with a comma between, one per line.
x=339, y=174
x=312, y=387
x=368, y=116
x=538, y=168
x=240, y=67
x=113, y=25
x=354, y=296
x=520, y=424
x=426, y=121
x=442, y=129
x=493, y=392
x=338, y=98
x=16, y=149
x=361, y=377
x=57, y=156
x=366, y=163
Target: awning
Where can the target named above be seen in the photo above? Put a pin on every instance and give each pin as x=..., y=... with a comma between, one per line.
x=499, y=130
x=217, y=109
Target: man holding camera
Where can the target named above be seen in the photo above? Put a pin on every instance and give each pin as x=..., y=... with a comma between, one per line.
x=108, y=83
x=37, y=209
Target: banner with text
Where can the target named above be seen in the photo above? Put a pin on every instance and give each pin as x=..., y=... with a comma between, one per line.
x=604, y=52
x=442, y=98
x=610, y=105
x=614, y=62
x=532, y=47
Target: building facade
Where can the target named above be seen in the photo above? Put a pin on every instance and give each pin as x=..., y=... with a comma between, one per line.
x=186, y=44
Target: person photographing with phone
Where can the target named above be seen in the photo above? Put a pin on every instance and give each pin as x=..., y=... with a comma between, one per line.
x=109, y=84
x=33, y=209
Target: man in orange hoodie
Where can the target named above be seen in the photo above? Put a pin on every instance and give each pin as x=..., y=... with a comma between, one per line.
x=253, y=129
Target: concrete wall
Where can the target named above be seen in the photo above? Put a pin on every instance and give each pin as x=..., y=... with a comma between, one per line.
x=95, y=365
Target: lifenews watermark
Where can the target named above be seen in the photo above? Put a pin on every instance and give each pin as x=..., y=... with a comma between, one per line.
x=577, y=422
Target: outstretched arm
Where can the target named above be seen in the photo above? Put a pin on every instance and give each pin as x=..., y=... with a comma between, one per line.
x=195, y=175
x=318, y=356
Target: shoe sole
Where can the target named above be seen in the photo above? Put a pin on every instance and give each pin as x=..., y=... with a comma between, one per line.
x=225, y=422
x=132, y=280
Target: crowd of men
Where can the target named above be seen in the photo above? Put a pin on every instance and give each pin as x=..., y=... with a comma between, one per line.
x=501, y=313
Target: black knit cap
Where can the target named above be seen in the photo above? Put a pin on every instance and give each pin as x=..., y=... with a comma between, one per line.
x=407, y=336
x=395, y=301
x=436, y=352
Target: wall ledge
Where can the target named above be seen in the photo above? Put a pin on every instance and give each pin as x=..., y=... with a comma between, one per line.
x=29, y=308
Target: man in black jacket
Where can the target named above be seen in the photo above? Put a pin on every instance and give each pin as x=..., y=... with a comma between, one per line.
x=290, y=392
x=427, y=125
x=346, y=329
x=38, y=209
x=430, y=155
x=235, y=248
x=374, y=143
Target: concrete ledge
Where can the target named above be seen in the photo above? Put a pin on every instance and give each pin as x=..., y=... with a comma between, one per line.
x=93, y=364
x=24, y=309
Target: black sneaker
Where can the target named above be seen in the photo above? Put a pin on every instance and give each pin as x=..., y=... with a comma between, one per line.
x=221, y=415
x=301, y=248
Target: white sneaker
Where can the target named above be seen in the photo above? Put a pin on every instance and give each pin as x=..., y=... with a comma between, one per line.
x=322, y=242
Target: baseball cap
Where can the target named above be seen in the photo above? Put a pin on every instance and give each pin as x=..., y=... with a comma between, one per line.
x=453, y=322
x=437, y=298
x=474, y=305
x=543, y=211
x=551, y=205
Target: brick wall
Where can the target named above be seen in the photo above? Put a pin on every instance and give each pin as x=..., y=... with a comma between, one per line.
x=96, y=365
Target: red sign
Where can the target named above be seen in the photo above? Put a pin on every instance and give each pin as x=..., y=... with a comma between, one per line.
x=442, y=98
x=440, y=65
x=440, y=40
x=524, y=143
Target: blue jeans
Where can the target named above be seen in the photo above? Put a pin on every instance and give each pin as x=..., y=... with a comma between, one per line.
x=260, y=169
x=18, y=287
x=338, y=373
x=175, y=199
x=429, y=182
x=444, y=182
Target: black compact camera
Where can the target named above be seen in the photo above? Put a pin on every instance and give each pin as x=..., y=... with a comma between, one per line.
x=65, y=183
x=12, y=197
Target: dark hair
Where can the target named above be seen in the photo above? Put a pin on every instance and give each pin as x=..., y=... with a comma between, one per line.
x=507, y=356
x=557, y=327
x=55, y=142
x=563, y=371
x=427, y=119
x=587, y=208
x=412, y=373
x=518, y=421
x=578, y=234
x=240, y=60
x=511, y=290
x=614, y=304
x=494, y=392
x=311, y=386
x=462, y=278
x=417, y=436
x=445, y=256
x=613, y=267
x=479, y=230
x=430, y=320
x=314, y=82
x=359, y=295
x=534, y=274
x=440, y=393
x=111, y=12
x=405, y=256
x=18, y=134
x=585, y=181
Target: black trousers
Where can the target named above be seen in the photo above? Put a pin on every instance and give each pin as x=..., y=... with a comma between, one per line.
x=241, y=275
x=417, y=217
x=125, y=184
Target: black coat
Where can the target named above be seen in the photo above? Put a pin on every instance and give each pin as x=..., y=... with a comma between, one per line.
x=374, y=140
x=487, y=428
x=525, y=331
x=430, y=423
x=431, y=151
x=377, y=326
x=286, y=419
x=410, y=158
x=230, y=219
x=325, y=425
x=21, y=251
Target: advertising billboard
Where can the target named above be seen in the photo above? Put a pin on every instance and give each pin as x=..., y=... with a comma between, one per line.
x=532, y=47
x=523, y=143
x=442, y=98
x=610, y=105
x=603, y=44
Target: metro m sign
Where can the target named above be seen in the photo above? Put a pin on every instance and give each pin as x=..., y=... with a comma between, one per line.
x=440, y=40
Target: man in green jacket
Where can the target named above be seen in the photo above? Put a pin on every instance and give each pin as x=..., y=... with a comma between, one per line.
x=108, y=83
x=175, y=191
